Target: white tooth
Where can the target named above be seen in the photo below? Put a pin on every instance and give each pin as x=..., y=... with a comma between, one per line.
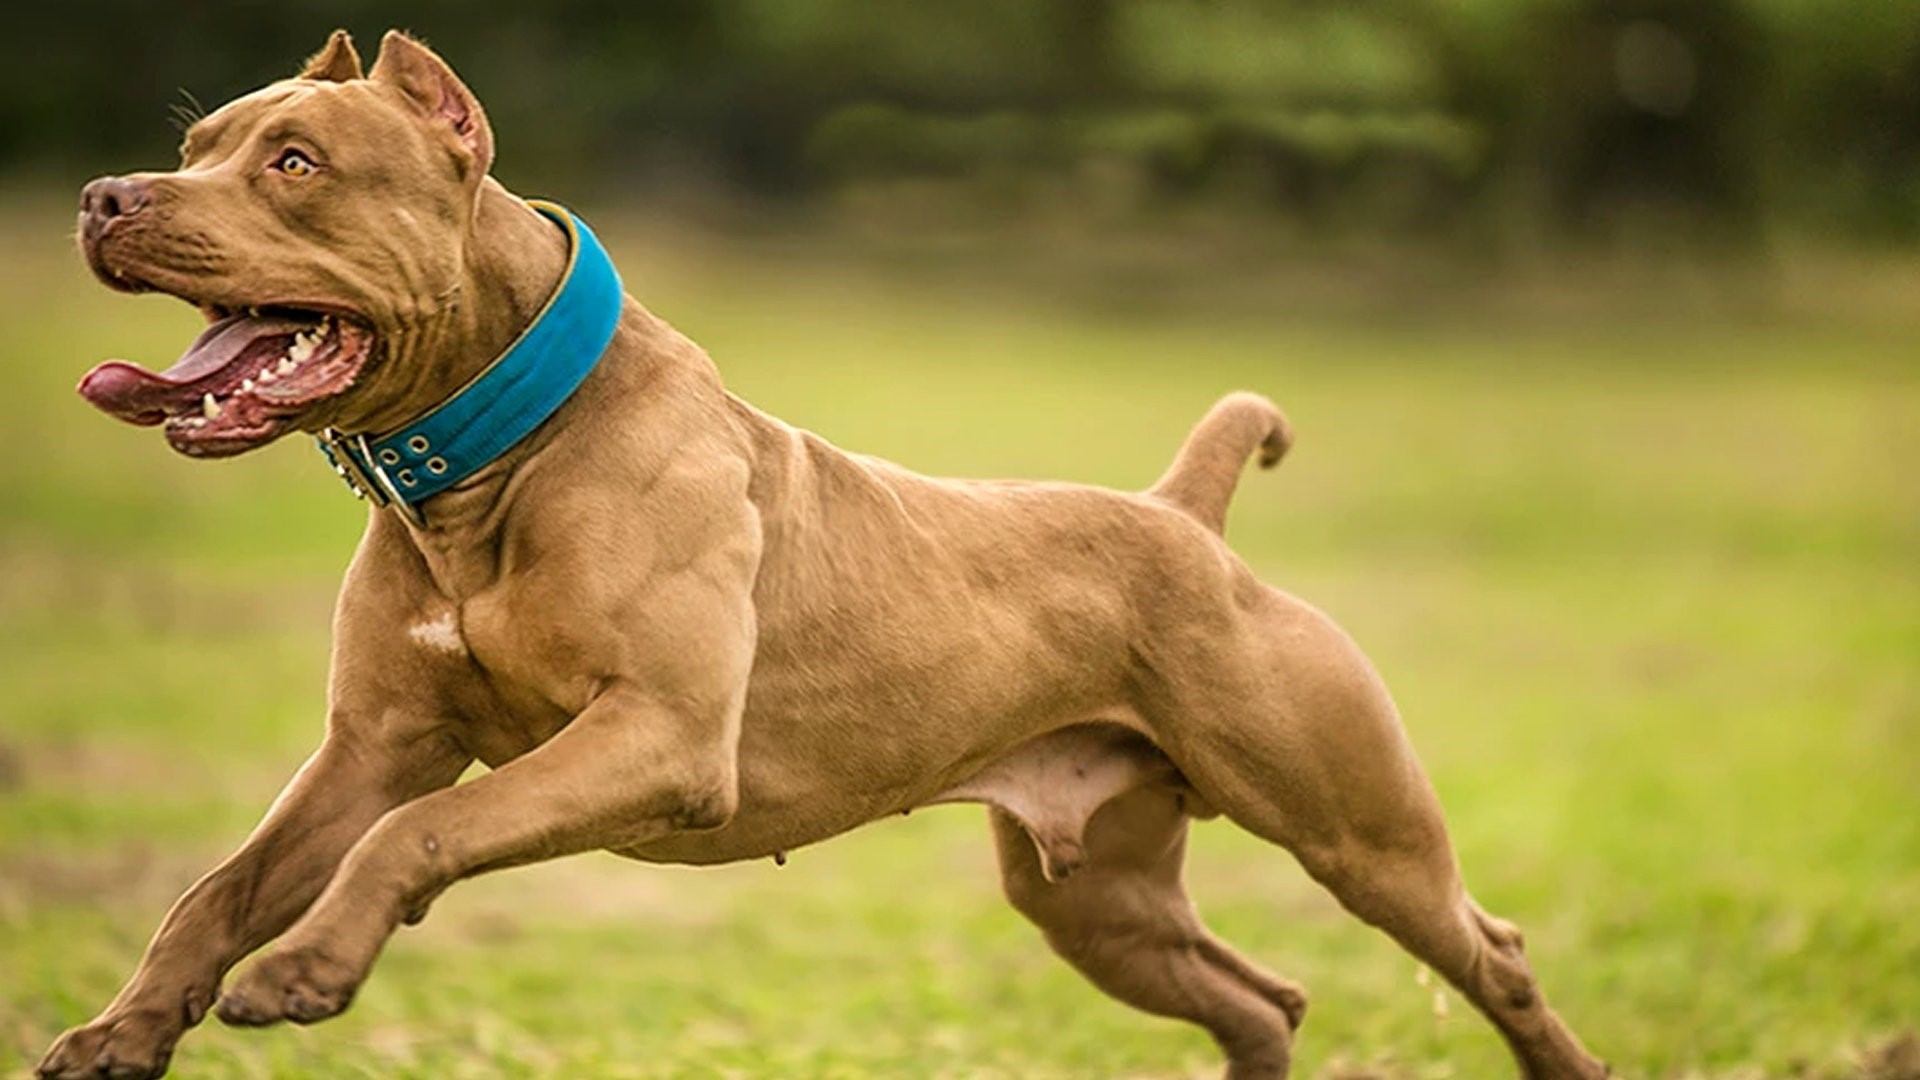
x=246, y=385
x=267, y=376
x=209, y=407
x=287, y=364
x=254, y=311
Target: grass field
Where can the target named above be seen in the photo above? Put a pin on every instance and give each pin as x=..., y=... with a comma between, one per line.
x=1646, y=589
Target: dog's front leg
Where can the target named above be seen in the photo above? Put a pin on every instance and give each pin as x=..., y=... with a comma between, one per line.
x=257, y=892
x=633, y=766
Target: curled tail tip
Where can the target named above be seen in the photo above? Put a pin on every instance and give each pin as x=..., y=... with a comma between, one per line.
x=1242, y=425
x=1279, y=437
x=1278, y=441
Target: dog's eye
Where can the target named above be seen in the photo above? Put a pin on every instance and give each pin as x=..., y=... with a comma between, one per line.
x=294, y=163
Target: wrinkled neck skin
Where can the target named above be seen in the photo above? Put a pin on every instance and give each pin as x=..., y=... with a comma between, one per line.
x=512, y=263
x=472, y=530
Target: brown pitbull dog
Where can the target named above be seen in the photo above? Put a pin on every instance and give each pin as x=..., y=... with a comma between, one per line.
x=681, y=630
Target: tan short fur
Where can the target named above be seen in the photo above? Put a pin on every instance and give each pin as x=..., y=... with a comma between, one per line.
x=682, y=630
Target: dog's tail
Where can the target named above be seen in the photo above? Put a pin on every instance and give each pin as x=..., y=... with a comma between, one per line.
x=1203, y=475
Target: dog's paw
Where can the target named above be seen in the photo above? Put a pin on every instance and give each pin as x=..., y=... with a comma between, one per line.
x=130, y=1045
x=301, y=984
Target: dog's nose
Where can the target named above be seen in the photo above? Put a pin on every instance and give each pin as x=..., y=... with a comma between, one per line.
x=111, y=197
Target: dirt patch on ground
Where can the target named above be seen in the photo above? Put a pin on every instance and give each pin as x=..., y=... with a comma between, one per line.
x=13, y=768
x=154, y=598
x=1894, y=1058
x=90, y=765
x=131, y=875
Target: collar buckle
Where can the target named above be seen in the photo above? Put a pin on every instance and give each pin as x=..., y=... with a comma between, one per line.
x=353, y=460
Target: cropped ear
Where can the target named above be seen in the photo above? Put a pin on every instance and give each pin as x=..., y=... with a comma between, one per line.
x=425, y=78
x=335, y=62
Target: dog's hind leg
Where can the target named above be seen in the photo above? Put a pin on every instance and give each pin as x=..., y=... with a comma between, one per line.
x=1417, y=898
x=1123, y=919
x=1302, y=745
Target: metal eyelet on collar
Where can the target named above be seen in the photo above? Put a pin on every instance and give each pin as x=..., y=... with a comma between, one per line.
x=418, y=444
x=436, y=465
x=406, y=478
x=389, y=456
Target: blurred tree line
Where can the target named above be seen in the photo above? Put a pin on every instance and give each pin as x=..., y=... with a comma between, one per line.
x=1452, y=117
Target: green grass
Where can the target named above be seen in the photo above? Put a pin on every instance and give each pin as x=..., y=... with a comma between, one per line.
x=1646, y=590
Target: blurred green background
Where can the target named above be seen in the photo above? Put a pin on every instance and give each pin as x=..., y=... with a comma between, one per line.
x=1479, y=121
x=1599, y=321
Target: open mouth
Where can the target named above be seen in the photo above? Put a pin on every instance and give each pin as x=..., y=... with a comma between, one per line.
x=243, y=382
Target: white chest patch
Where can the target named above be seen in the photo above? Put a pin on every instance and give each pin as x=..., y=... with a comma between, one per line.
x=440, y=634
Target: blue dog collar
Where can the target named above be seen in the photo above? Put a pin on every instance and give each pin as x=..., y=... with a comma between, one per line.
x=504, y=403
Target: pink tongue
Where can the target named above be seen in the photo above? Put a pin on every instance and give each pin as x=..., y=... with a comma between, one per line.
x=139, y=396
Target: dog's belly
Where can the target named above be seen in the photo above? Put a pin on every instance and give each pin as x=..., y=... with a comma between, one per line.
x=759, y=830
x=803, y=782
x=1051, y=783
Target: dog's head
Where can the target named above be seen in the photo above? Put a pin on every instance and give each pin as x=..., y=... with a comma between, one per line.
x=321, y=224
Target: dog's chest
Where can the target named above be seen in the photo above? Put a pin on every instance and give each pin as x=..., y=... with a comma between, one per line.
x=439, y=634
x=494, y=672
